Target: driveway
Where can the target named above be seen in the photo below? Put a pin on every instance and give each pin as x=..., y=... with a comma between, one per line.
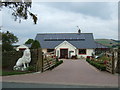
x=71, y=72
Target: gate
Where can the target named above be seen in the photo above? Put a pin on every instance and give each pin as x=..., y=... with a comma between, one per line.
x=49, y=60
x=112, y=64
x=42, y=62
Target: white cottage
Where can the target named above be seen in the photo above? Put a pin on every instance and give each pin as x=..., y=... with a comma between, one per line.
x=23, y=47
x=67, y=45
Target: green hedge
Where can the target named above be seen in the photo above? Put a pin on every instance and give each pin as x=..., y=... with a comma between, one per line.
x=57, y=64
x=97, y=65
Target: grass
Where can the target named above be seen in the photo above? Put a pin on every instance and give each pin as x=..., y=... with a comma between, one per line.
x=106, y=42
x=7, y=73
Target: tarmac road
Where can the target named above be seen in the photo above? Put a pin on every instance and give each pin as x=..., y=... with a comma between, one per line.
x=33, y=85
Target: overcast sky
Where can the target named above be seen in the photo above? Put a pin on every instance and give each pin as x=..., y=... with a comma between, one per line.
x=99, y=18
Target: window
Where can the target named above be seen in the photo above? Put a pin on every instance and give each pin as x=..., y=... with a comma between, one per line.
x=82, y=51
x=50, y=50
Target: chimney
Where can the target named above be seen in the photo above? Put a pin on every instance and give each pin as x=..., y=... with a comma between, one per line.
x=79, y=31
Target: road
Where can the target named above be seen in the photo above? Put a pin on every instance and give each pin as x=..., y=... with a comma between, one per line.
x=33, y=85
x=71, y=72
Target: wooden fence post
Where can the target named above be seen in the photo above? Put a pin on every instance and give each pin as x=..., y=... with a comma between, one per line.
x=39, y=65
x=113, y=63
x=118, y=61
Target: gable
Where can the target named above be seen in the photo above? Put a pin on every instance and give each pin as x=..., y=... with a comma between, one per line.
x=65, y=44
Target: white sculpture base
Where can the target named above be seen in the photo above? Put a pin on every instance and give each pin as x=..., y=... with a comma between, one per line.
x=20, y=69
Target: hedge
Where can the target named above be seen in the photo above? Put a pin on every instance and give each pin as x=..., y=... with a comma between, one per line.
x=97, y=65
x=57, y=64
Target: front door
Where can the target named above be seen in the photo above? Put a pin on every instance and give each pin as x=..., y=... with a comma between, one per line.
x=63, y=53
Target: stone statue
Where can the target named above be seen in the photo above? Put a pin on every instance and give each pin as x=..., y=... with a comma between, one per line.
x=25, y=59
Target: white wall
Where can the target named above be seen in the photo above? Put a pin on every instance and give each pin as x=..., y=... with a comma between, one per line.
x=21, y=46
x=65, y=45
x=44, y=50
x=70, y=48
x=88, y=53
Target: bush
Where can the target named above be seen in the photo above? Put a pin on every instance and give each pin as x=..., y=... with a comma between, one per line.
x=35, y=45
x=57, y=64
x=97, y=65
x=31, y=68
x=88, y=57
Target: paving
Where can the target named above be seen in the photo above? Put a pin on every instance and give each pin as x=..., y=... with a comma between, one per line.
x=71, y=72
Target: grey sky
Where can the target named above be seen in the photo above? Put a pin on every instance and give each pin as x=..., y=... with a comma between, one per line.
x=99, y=18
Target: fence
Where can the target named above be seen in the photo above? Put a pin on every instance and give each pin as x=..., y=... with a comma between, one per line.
x=41, y=62
x=109, y=67
x=49, y=60
x=112, y=64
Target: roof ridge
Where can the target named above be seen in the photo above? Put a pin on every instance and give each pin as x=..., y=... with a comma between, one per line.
x=65, y=33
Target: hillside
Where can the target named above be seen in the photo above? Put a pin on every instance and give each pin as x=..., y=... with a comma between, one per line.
x=107, y=42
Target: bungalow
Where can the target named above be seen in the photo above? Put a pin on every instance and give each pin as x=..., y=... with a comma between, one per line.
x=67, y=45
x=101, y=48
x=23, y=47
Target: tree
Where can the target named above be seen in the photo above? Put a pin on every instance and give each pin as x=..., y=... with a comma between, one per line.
x=0, y=36
x=7, y=40
x=7, y=47
x=29, y=41
x=35, y=45
x=20, y=9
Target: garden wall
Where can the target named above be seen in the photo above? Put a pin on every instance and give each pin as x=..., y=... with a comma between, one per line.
x=10, y=58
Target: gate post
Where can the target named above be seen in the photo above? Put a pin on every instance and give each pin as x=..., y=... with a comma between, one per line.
x=39, y=65
x=113, y=63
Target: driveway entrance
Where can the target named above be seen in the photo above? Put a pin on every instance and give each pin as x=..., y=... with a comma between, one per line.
x=71, y=72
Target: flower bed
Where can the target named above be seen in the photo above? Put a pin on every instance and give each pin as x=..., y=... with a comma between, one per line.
x=99, y=66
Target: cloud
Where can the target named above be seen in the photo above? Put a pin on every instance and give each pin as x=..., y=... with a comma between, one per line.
x=0, y=18
x=102, y=10
x=97, y=18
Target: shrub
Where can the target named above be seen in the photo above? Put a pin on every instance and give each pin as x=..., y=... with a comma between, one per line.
x=97, y=65
x=31, y=68
x=35, y=45
x=29, y=41
x=57, y=64
x=88, y=56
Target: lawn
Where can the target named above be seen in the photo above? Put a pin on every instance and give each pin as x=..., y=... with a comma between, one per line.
x=7, y=73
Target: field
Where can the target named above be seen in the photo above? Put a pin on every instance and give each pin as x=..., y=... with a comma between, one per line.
x=107, y=42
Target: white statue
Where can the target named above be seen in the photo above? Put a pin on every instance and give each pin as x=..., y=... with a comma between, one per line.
x=25, y=59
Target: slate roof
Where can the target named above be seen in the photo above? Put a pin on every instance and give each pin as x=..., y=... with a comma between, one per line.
x=98, y=45
x=28, y=45
x=51, y=40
